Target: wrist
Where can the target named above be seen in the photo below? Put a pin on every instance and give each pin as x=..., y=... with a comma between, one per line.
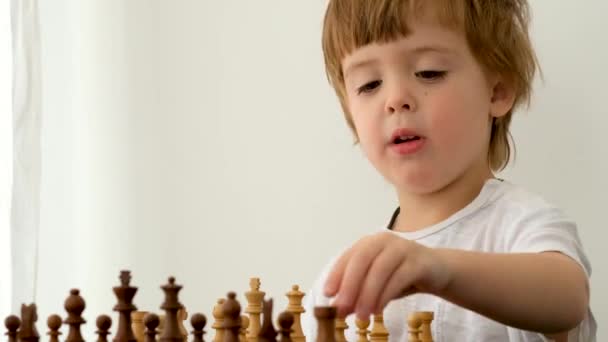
x=445, y=271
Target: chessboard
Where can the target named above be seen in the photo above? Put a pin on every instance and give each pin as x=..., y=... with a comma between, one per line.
x=229, y=325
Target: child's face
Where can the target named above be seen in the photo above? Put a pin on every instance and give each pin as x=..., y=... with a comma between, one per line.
x=428, y=86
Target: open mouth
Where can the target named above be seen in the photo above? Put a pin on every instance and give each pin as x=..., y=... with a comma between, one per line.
x=405, y=139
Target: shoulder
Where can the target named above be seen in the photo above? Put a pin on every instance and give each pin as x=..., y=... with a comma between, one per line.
x=517, y=207
x=526, y=222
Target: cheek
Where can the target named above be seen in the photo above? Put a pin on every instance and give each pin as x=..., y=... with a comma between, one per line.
x=460, y=124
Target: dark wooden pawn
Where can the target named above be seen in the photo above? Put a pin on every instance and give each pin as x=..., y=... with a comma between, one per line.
x=151, y=322
x=74, y=305
x=171, y=305
x=267, y=332
x=54, y=324
x=286, y=321
x=12, y=324
x=28, y=331
x=232, y=318
x=103, y=323
x=125, y=293
x=326, y=322
x=198, y=322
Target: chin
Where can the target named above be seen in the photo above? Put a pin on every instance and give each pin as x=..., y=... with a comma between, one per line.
x=418, y=184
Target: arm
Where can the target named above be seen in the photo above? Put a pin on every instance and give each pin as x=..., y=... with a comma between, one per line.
x=544, y=292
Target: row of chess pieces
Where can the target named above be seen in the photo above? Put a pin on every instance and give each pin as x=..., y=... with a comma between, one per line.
x=229, y=324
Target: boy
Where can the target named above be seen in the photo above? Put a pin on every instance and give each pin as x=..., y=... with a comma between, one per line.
x=429, y=88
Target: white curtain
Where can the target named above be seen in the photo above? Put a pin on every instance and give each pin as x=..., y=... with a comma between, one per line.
x=6, y=170
x=25, y=208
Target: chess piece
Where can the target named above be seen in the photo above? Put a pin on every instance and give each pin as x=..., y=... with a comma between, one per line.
x=255, y=297
x=74, y=305
x=54, y=323
x=103, y=323
x=231, y=310
x=124, y=293
x=362, y=331
x=182, y=316
x=218, y=323
x=171, y=305
x=12, y=324
x=341, y=327
x=295, y=297
x=161, y=324
x=137, y=319
x=286, y=322
x=413, y=324
x=425, y=329
x=267, y=332
x=379, y=332
x=326, y=322
x=29, y=316
x=244, y=327
x=151, y=322
x=198, y=322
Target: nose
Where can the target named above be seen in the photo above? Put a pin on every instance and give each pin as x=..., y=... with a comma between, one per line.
x=400, y=99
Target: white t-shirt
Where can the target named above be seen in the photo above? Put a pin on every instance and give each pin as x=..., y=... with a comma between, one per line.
x=503, y=218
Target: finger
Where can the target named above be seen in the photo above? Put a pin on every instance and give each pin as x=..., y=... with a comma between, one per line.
x=332, y=284
x=400, y=284
x=356, y=270
x=377, y=277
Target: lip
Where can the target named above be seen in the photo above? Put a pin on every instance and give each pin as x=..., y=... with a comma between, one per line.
x=406, y=148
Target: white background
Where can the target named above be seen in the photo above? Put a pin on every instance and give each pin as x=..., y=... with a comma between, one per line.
x=201, y=140
x=6, y=155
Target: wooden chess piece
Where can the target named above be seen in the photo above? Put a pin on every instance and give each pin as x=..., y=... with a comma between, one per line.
x=137, y=324
x=379, y=332
x=295, y=297
x=218, y=324
x=151, y=322
x=267, y=332
x=286, y=323
x=425, y=329
x=124, y=293
x=29, y=316
x=255, y=298
x=362, y=331
x=413, y=324
x=54, y=324
x=182, y=316
x=232, y=318
x=326, y=322
x=12, y=324
x=341, y=327
x=198, y=322
x=244, y=327
x=171, y=305
x=103, y=323
x=74, y=305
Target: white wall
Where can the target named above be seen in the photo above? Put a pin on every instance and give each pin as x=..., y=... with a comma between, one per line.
x=201, y=140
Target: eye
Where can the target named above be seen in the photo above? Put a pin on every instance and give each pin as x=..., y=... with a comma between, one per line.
x=430, y=75
x=368, y=87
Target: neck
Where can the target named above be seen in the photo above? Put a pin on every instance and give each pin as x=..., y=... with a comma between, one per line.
x=419, y=211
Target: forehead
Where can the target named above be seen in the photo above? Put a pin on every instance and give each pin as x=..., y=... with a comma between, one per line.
x=352, y=24
x=424, y=39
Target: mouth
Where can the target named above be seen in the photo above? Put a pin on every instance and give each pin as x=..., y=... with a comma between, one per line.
x=404, y=136
x=402, y=139
x=406, y=142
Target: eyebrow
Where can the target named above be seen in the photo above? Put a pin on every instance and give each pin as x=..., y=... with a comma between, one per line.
x=414, y=52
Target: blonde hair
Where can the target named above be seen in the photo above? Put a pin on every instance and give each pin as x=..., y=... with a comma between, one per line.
x=496, y=32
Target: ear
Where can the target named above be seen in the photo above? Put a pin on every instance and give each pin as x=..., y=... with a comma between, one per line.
x=503, y=98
